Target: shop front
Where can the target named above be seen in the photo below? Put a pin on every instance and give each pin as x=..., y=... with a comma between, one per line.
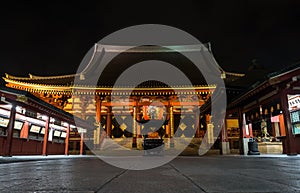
x=270, y=114
x=30, y=126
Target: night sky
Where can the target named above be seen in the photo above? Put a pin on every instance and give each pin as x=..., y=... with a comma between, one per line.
x=52, y=38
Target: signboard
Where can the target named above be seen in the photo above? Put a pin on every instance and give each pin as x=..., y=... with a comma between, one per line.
x=72, y=133
x=22, y=98
x=275, y=119
x=57, y=133
x=3, y=99
x=18, y=125
x=296, y=128
x=210, y=133
x=3, y=122
x=75, y=139
x=43, y=130
x=29, y=113
x=232, y=123
x=74, y=136
x=295, y=116
x=35, y=129
x=63, y=134
x=81, y=130
x=294, y=102
x=50, y=137
x=153, y=112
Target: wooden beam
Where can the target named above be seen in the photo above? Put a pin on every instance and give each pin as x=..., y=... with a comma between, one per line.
x=166, y=103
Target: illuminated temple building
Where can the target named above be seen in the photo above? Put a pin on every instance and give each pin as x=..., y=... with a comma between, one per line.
x=117, y=108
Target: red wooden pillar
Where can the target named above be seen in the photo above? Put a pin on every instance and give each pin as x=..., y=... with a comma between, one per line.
x=168, y=118
x=24, y=131
x=281, y=125
x=67, y=140
x=45, y=142
x=108, y=122
x=81, y=144
x=171, y=126
x=10, y=129
x=98, y=120
x=290, y=138
x=134, y=144
x=167, y=131
x=138, y=126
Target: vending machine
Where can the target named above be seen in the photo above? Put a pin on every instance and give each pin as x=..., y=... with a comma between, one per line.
x=294, y=108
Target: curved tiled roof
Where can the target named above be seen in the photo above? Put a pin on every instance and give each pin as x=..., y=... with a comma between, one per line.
x=50, y=80
x=121, y=62
x=274, y=78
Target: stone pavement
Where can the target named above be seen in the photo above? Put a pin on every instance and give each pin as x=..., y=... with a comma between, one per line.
x=235, y=173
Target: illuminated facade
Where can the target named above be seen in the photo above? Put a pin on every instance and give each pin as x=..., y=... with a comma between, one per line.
x=117, y=107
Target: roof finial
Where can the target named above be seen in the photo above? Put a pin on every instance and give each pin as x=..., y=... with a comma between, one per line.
x=223, y=74
x=82, y=77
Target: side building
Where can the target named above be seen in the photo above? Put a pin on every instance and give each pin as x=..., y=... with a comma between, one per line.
x=30, y=126
x=269, y=112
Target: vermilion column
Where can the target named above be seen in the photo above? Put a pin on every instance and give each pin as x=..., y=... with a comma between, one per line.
x=98, y=121
x=171, y=122
x=167, y=127
x=108, y=122
x=24, y=131
x=171, y=126
x=98, y=110
x=67, y=141
x=134, y=144
x=167, y=131
x=10, y=129
x=45, y=142
x=81, y=144
x=138, y=126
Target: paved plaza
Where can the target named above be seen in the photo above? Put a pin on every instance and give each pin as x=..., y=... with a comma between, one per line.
x=183, y=174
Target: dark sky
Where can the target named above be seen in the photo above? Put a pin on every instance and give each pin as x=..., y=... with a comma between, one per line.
x=51, y=38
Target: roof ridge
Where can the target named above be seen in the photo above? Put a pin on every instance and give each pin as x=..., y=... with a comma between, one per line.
x=286, y=69
x=234, y=74
x=31, y=77
x=8, y=76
